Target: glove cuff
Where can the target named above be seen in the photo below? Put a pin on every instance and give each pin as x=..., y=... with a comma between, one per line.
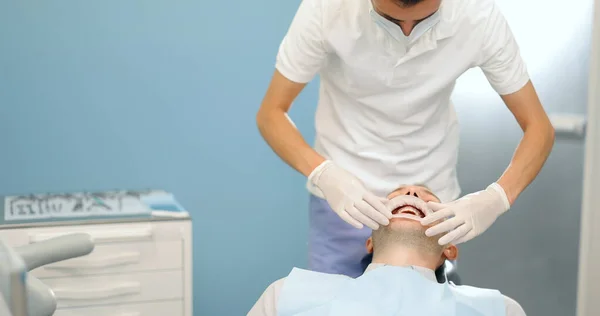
x=314, y=176
x=498, y=188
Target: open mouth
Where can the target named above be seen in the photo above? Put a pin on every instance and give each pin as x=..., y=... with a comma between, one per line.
x=408, y=210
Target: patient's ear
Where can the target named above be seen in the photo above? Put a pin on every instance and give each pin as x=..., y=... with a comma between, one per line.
x=451, y=252
x=369, y=245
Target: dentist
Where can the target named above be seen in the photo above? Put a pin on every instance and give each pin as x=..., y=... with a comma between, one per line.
x=384, y=116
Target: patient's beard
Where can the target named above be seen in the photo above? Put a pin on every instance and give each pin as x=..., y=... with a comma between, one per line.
x=391, y=243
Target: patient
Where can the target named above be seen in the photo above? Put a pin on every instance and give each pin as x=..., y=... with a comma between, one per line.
x=399, y=281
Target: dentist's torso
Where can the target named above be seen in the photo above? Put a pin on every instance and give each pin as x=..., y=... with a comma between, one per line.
x=384, y=110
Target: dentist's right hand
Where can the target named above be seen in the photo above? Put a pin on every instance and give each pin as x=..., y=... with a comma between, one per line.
x=348, y=197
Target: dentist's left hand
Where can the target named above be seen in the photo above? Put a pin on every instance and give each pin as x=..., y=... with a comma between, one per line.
x=467, y=217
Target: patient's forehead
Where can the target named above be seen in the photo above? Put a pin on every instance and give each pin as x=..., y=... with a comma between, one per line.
x=422, y=191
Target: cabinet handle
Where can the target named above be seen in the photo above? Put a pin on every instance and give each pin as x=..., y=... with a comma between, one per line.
x=106, y=262
x=122, y=289
x=103, y=236
x=117, y=314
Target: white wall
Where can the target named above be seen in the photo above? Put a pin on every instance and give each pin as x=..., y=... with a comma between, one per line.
x=588, y=303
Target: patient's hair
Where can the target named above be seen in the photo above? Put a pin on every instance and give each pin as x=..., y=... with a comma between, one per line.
x=385, y=237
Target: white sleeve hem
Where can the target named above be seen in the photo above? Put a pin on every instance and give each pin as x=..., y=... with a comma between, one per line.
x=289, y=74
x=514, y=87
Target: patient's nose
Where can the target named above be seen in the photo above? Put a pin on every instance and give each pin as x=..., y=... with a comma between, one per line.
x=412, y=192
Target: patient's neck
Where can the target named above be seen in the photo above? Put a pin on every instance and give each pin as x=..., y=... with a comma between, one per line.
x=406, y=256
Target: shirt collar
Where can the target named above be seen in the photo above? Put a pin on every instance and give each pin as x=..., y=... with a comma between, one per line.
x=428, y=273
x=446, y=26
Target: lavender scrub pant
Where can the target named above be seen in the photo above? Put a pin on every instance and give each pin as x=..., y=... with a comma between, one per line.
x=334, y=246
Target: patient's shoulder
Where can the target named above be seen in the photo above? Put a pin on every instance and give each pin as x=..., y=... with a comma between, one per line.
x=513, y=308
x=277, y=285
x=275, y=289
x=267, y=303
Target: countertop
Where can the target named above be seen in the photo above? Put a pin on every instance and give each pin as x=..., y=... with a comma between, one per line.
x=41, y=210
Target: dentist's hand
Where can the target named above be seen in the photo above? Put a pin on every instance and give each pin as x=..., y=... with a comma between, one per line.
x=470, y=215
x=349, y=198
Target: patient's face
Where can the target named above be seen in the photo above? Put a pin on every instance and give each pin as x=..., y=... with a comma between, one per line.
x=408, y=231
x=421, y=195
x=415, y=190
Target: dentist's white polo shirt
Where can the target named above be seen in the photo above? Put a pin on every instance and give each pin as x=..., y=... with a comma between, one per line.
x=384, y=111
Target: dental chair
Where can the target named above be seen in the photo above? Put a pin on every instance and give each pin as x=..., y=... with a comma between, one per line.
x=40, y=300
x=445, y=273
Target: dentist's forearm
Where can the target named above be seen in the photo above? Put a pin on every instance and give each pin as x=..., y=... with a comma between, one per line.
x=528, y=160
x=287, y=142
x=278, y=130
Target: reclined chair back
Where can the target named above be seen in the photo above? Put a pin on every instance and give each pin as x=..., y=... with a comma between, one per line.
x=39, y=299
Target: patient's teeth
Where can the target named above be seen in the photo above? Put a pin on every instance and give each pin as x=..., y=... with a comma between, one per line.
x=408, y=210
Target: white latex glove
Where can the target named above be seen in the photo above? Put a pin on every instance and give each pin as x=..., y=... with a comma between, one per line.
x=348, y=197
x=470, y=215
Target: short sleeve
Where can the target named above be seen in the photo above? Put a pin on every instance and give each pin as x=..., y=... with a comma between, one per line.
x=501, y=60
x=302, y=51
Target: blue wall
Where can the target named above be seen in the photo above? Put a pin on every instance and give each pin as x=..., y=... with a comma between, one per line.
x=98, y=95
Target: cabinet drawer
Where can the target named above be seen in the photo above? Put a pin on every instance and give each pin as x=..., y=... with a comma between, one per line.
x=174, y=308
x=102, y=233
x=118, y=258
x=117, y=289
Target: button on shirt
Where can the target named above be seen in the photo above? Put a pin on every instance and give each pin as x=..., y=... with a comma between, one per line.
x=384, y=111
x=267, y=303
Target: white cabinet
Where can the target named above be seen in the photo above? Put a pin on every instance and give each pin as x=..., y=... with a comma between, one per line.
x=136, y=269
x=145, y=309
